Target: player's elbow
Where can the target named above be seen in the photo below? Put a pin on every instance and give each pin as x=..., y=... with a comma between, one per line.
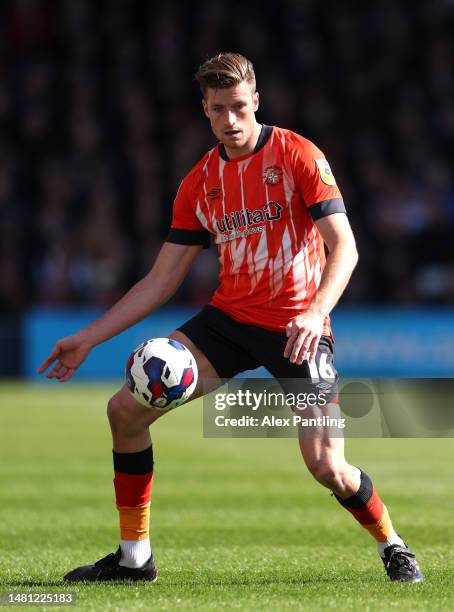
x=345, y=248
x=350, y=250
x=354, y=255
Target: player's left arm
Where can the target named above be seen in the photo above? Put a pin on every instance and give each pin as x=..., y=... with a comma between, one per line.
x=305, y=330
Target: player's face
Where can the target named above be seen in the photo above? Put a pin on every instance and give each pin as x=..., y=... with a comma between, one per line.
x=232, y=116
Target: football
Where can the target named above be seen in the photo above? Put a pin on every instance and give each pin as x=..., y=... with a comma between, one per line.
x=161, y=373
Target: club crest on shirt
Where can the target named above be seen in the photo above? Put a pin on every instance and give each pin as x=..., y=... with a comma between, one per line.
x=272, y=175
x=325, y=172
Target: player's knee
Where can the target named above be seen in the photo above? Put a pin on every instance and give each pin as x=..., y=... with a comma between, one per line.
x=118, y=414
x=329, y=475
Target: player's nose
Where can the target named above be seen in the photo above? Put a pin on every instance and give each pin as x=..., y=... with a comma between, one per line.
x=231, y=119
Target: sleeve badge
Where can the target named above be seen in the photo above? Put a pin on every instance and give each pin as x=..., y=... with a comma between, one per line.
x=325, y=172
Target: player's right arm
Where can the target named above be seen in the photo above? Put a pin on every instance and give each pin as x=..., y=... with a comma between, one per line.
x=158, y=286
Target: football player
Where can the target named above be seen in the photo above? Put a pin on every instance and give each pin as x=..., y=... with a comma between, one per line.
x=268, y=198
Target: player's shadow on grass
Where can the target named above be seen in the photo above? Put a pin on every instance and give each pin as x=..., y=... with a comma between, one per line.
x=297, y=579
x=33, y=583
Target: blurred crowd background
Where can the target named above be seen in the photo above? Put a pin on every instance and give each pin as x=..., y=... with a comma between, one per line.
x=100, y=119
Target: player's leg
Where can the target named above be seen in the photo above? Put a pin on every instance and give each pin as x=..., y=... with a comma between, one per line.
x=133, y=459
x=208, y=337
x=322, y=448
x=133, y=468
x=324, y=457
x=353, y=488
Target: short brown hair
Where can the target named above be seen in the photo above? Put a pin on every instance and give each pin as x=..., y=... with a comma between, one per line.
x=224, y=70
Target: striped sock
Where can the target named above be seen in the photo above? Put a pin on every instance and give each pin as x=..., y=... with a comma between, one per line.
x=132, y=482
x=370, y=512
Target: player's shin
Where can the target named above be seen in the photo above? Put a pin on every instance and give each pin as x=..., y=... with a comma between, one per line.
x=370, y=511
x=133, y=481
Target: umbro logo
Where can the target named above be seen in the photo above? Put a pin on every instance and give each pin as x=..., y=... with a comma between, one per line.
x=214, y=193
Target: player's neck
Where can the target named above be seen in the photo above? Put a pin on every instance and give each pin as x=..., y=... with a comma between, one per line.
x=249, y=146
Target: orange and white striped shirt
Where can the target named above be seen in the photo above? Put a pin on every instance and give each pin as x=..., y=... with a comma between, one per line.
x=261, y=210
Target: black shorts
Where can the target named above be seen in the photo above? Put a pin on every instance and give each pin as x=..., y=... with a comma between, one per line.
x=233, y=347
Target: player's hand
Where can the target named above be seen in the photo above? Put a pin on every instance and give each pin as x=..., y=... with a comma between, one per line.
x=66, y=356
x=303, y=333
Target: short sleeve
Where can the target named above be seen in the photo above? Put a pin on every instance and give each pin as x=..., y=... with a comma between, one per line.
x=186, y=227
x=314, y=179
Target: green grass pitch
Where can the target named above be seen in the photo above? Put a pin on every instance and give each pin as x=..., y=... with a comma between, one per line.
x=236, y=524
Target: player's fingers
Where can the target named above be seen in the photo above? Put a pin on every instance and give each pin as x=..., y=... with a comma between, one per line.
x=288, y=329
x=289, y=346
x=62, y=371
x=67, y=376
x=292, y=336
x=43, y=367
x=303, y=349
x=313, y=348
x=50, y=360
x=299, y=342
x=54, y=372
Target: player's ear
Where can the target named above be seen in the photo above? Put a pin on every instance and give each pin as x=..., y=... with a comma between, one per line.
x=205, y=108
x=255, y=101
